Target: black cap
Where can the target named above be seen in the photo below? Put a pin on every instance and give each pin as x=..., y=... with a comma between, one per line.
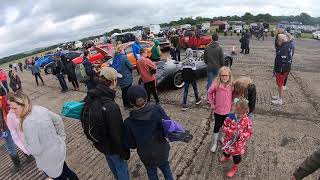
x=135, y=92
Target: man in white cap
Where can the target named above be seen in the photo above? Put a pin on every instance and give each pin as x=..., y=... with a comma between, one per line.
x=103, y=124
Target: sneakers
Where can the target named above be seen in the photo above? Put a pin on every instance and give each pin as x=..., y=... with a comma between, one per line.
x=275, y=97
x=277, y=102
x=214, y=142
x=184, y=107
x=284, y=87
x=198, y=101
x=233, y=170
x=224, y=159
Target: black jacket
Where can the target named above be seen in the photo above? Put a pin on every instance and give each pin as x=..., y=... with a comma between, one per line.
x=58, y=67
x=70, y=71
x=144, y=131
x=113, y=122
x=14, y=82
x=188, y=75
x=283, y=60
x=252, y=92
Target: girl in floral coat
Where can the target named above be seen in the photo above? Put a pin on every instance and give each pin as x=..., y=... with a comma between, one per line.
x=237, y=129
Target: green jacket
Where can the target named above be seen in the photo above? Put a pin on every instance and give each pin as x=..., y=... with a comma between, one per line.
x=155, y=52
x=213, y=56
x=310, y=165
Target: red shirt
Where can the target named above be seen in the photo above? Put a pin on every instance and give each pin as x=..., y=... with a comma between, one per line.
x=144, y=67
x=3, y=76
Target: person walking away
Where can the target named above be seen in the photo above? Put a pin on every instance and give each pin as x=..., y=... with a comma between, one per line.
x=147, y=71
x=5, y=133
x=282, y=66
x=189, y=77
x=247, y=41
x=44, y=136
x=244, y=87
x=20, y=66
x=308, y=166
x=90, y=71
x=136, y=47
x=15, y=82
x=123, y=66
x=220, y=100
x=155, y=51
x=35, y=70
x=214, y=58
x=175, y=41
x=4, y=78
x=58, y=70
x=108, y=136
x=70, y=71
x=144, y=132
x=237, y=129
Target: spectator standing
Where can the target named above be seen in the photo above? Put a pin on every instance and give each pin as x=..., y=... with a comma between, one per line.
x=155, y=51
x=35, y=70
x=20, y=66
x=70, y=71
x=4, y=78
x=15, y=83
x=175, y=51
x=90, y=71
x=136, y=47
x=58, y=71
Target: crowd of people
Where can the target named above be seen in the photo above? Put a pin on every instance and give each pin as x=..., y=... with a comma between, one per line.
x=40, y=134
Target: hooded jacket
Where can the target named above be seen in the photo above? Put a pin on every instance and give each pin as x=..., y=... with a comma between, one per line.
x=112, y=119
x=213, y=56
x=144, y=131
x=125, y=69
x=155, y=52
x=189, y=67
x=136, y=49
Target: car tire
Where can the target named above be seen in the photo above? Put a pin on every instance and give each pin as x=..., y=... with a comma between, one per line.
x=48, y=70
x=178, y=80
x=228, y=62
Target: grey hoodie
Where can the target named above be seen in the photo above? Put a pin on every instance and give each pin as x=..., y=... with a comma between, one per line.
x=214, y=56
x=45, y=140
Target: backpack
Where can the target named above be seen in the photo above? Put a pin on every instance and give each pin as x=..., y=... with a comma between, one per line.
x=174, y=131
x=92, y=123
x=81, y=73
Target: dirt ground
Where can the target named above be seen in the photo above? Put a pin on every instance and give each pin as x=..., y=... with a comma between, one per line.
x=283, y=136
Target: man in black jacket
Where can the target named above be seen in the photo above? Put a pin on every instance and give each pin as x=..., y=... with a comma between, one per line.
x=58, y=71
x=91, y=83
x=110, y=122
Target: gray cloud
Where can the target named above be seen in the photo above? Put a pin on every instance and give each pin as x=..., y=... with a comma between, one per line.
x=25, y=25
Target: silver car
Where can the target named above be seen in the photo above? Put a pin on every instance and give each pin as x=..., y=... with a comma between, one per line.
x=170, y=72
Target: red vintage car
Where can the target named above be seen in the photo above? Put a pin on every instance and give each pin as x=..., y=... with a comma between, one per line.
x=190, y=40
x=94, y=56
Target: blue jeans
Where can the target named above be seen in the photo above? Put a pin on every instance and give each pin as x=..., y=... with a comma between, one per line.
x=10, y=145
x=118, y=166
x=166, y=171
x=211, y=75
x=186, y=89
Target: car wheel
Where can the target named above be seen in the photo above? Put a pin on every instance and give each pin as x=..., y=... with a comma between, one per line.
x=48, y=70
x=178, y=80
x=228, y=62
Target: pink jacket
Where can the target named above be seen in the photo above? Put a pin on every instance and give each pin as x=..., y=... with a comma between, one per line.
x=13, y=124
x=221, y=98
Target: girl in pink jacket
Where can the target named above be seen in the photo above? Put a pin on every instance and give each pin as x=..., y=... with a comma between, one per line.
x=13, y=124
x=220, y=99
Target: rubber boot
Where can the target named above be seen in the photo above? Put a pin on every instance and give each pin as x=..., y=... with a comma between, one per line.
x=16, y=162
x=233, y=170
x=220, y=137
x=214, y=142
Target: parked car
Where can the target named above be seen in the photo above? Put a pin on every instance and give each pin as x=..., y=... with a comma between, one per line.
x=316, y=35
x=170, y=72
x=199, y=42
x=127, y=49
x=164, y=43
x=94, y=56
x=68, y=55
x=44, y=60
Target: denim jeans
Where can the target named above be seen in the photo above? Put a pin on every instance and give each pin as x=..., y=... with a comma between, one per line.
x=186, y=89
x=211, y=75
x=62, y=82
x=166, y=171
x=10, y=145
x=118, y=166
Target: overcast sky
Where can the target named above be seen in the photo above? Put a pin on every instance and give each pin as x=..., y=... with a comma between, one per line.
x=29, y=24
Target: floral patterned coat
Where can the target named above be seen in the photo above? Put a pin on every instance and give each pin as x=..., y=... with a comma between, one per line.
x=237, y=133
